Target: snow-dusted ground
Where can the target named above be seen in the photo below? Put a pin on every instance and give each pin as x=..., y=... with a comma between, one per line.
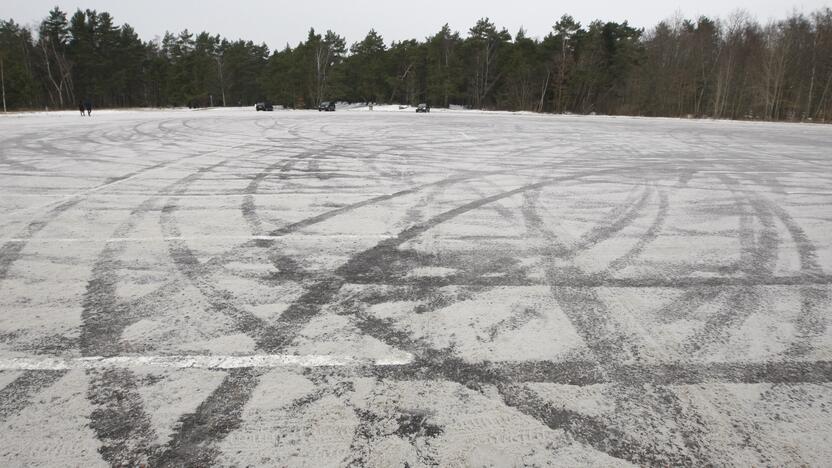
x=226, y=287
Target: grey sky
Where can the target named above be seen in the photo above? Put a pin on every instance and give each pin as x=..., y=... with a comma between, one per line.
x=280, y=21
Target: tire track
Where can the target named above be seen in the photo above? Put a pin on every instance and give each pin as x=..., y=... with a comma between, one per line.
x=585, y=310
x=610, y=345
x=812, y=322
x=369, y=265
x=21, y=392
x=431, y=364
x=197, y=442
x=119, y=419
x=121, y=426
x=587, y=430
x=508, y=378
x=194, y=442
x=272, y=338
x=593, y=431
x=10, y=252
x=103, y=317
x=758, y=259
x=652, y=233
x=248, y=208
x=702, y=291
x=106, y=320
x=198, y=273
x=294, y=227
x=195, y=439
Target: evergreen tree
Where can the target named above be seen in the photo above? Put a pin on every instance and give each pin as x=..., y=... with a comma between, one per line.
x=727, y=68
x=444, y=68
x=366, y=69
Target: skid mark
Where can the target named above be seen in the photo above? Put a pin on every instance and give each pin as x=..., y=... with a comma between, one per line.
x=104, y=318
x=652, y=233
x=430, y=364
x=812, y=321
x=516, y=321
x=651, y=423
x=272, y=339
x=592, y=431
x=194, y=443
x=614, y=223
x=757, y=260
x=10, y=251
x=607, y=341
x=119, y=419
x=248, y=207
x=21, y=391
x=586, y=311
x=270, y=237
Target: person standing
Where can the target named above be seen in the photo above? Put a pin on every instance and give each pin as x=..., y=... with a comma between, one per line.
x=88, y=107
x=81, y=107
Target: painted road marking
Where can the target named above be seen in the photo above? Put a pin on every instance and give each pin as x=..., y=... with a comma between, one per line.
x=199, y=362
x=50, y=240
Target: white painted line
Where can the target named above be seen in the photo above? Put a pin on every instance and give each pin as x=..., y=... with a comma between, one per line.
x=50, y=240
x=198, y=362
x=143, y=195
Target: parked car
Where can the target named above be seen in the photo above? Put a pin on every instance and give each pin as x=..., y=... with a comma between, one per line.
x=422, y=108
x=264, y=106
x=326, y=106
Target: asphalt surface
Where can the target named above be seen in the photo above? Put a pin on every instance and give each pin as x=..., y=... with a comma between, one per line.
x=398, y=289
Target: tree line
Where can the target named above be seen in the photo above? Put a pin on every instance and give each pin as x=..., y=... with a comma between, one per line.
x=732, y=68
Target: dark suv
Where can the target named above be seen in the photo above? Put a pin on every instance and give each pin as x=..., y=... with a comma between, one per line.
x=264, y=106
x=326, y=106
x=422, y=108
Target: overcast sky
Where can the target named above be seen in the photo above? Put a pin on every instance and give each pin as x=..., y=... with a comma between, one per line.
x=277, y=22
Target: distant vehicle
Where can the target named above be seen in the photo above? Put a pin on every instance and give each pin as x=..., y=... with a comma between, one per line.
x=326, y=106
x=264, y=106
x=422, y=108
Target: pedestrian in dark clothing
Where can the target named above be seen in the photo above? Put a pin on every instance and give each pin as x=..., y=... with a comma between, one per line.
x=88, y=106
x=81, y=107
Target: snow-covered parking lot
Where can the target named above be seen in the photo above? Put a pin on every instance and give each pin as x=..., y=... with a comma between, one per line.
x=296, y=288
